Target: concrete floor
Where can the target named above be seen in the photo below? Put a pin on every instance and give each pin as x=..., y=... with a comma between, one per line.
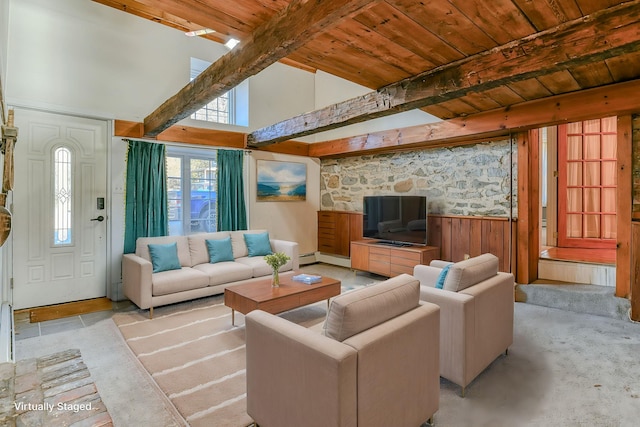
x=563, y=369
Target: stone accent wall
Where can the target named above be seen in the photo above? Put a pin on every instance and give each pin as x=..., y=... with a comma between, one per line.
x=466, y=180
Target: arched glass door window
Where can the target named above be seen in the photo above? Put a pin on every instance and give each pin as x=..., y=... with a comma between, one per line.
x=62, y=203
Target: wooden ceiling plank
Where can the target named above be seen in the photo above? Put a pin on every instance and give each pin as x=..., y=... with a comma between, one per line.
x=560, y=82
x=354, y=61
x=395, y=25
x=448, y=23
x=592, y=75
x=590, y=6
x=504, y=96
x=204, y=14
x=373, y=44
x=269, y=43
x=545, y=14
x=604, y=35
x=157, y=15
x=481, y=102
x=583, y=105
x=312, y=54
x=438, y=110
x=500, y=19
x=625, y=67
x=459, y=107
x=530, y=89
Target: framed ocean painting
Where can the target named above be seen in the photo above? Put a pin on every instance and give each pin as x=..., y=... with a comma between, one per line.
x=281, y=181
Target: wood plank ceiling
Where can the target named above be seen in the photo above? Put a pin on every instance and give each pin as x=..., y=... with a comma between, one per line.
x=387, y=42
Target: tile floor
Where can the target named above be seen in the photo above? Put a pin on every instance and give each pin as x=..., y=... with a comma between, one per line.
x=24, y=329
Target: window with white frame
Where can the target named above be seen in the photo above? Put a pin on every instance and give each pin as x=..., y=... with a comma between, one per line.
x=221, y=109
x=192, y=177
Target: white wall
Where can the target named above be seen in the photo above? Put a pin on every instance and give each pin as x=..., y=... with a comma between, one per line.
x=80, y=57
x=295, y=221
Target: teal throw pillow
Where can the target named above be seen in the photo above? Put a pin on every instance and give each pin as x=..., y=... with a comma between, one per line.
x=164, y=257
x=442, y=276
x=258, y=244
x=219, y=250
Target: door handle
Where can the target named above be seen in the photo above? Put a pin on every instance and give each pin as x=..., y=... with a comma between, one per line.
x=99, y=219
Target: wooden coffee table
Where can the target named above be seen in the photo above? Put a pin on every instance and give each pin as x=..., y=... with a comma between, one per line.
x=260, y=295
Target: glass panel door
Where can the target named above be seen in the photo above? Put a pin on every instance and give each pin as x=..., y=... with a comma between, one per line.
x=587, y=184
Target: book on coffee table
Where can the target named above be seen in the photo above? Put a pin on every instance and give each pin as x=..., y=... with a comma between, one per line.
x=307, y=278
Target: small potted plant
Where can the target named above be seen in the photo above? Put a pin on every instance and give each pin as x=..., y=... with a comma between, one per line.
x=275, y=261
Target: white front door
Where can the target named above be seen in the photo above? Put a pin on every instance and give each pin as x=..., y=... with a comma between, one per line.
x=59, y=209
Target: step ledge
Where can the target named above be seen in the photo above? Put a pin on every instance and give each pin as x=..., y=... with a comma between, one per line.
x=579, y=298
x=569, y=271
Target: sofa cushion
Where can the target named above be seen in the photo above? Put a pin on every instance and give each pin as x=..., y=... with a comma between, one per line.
x=219, y=250
x=258, y=244
x=198, y=247
x=258, y=266
x=182, y=244
x=357, y=311
x=225, y=272
x=238, y=243
x=172, y=281
x=467, y=273
x=164, y=257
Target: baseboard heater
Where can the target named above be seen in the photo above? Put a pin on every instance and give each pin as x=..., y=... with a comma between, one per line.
x=6, y=333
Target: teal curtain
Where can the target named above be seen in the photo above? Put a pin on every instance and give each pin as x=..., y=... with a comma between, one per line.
x=146, y=193
x=232, y=212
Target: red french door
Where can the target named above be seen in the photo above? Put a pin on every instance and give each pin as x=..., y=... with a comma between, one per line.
x=587, y=184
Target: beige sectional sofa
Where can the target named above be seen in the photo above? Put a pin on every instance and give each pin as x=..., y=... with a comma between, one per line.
x=197, y=277
x=476, y=314
x=375, y=364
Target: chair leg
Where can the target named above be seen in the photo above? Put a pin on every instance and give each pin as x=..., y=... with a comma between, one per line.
x=506, y=352
x=150, y=312
x=462, y=391
x=428, y=423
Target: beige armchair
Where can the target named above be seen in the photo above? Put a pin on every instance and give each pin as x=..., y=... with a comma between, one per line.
x=476, y=314
x=376, y=363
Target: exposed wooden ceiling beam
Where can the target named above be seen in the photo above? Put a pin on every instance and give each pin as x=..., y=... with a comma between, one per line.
x=277, y=38
x=596, y=37
x=583, y=105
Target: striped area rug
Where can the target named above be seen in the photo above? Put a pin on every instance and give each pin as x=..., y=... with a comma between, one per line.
x=198, y=359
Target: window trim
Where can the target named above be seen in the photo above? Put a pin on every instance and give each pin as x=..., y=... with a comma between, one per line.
x=186, y=155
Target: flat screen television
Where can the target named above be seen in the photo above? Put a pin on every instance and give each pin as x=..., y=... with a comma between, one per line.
x=396, y=220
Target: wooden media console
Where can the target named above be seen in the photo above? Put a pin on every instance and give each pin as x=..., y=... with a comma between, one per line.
x=377, y=257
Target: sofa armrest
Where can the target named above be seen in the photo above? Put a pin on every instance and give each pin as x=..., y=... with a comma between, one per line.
x=427, y=275
x=296, y=376
x=457, y=332
x=136, y=280
x=290, y=249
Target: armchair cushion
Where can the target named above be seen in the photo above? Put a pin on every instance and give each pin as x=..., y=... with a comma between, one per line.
x=467, y=273
x=354, y=312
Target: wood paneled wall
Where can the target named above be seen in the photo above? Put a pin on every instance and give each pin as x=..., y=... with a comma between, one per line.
x=457, y=236
x=635, y=271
